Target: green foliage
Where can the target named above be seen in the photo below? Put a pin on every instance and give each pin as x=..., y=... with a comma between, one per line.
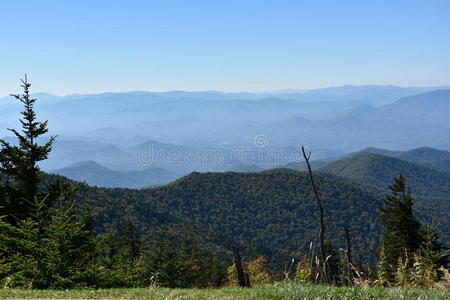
x=432, y=250
x=304, y=271
x=401, y=232
x=257, y=271
x=171, y=262
x=47, y=237
x=19, y=254
x=383, y=269
x=43, y=243
x=410, y=254
x=402, y=273
x=374, y=172
x=418, y=271
x=18, y=164
x=50, y=256
x=270, y=213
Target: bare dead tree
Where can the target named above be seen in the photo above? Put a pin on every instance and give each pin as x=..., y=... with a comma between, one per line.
x=243, y=278
x=349, y=247
x=319, y=205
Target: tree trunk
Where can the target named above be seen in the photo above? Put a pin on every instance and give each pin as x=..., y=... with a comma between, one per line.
x=349, y=247
x=319, y=205
x=243, y=278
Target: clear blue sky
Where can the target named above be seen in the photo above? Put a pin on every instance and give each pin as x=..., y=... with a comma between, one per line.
x=95, y=46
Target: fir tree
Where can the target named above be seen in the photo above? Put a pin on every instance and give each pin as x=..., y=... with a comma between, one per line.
x=432, y=249
x=42, y=241
x=19, y=164
x=401, y=232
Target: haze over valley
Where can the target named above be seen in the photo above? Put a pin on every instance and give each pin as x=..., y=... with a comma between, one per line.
x=289, y=149
x=104, y=139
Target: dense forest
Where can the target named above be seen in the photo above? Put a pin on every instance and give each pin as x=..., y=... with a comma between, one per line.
x=374, y=172
x=271, y=213
x=57, y=233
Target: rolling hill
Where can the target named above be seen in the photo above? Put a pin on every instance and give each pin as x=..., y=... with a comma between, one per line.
x=97, y=175
x=270, y=213
x=379, y=170
x=374, y=172
x=273, y=212
x=424, y=155
x=301, y=166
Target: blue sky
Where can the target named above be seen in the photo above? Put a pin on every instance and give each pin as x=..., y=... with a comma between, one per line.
x=97, y=46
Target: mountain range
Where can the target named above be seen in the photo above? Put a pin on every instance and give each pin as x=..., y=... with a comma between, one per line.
x=273, y=213
x=98, y=175
x=182, y=132
x=341, y=119
x=227, y=166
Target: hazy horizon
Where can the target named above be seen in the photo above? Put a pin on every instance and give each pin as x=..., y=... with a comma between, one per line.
x=336, y=76
x=90, y=47
x=264, y=92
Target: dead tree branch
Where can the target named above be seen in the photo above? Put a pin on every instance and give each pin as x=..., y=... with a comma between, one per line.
x=319, y=205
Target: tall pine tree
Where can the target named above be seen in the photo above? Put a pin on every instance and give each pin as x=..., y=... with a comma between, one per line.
x=402, y=232
x=19, y=163
x=43, y=243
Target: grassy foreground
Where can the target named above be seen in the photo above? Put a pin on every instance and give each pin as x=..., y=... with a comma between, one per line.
x=280, y=291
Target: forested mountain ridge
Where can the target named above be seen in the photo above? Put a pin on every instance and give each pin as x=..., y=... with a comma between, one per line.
x=166, y=163
x=424, y=155
x=374, y=172
x=378, y=170
x=97, y=175
x=270, y=213
x=421, y=155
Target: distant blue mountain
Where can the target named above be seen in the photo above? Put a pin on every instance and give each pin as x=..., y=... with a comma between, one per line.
x=342, y=119
x=95, y=174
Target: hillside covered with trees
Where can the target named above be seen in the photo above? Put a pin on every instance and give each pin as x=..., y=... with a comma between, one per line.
x=57, y=233
x=271, y=213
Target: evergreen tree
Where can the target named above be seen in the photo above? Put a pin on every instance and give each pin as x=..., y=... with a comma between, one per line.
x=171, y=262
x=19, y=164
x=121, y=259
x=70, y=237
x=18, y=254
x=3, y=201
x=57, y=253
x=432, y=249
x=43, y=243
x=402, y=232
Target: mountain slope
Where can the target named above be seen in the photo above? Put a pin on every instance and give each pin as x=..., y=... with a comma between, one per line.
x=434, y=105
x=271, y=213
x=430, y=187
x=379, y=171
x=424, y=155
x=97, y=175
x=301, y=166
x=374, y=150
x=93, y=173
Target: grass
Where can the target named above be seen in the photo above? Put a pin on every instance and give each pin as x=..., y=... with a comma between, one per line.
x=279, y=291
